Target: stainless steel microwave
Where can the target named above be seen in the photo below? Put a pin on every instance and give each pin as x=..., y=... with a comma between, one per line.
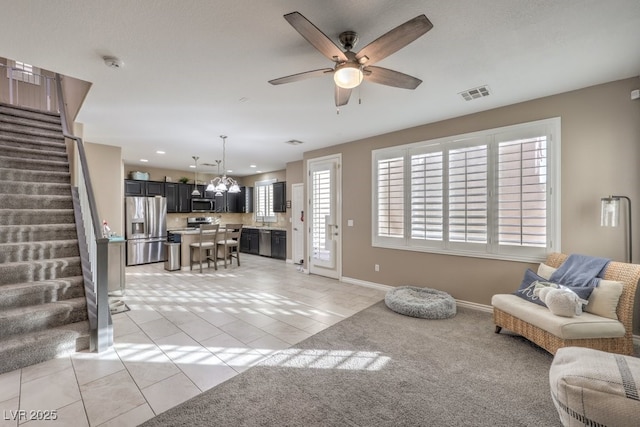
x=202, y=205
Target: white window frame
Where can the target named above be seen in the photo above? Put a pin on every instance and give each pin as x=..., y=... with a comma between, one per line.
x=549, y=128
x=264, y=213
x=24, y=72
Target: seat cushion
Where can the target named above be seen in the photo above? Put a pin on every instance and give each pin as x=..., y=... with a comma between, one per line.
x=204, y=245
x=595, y=388
x=586, y=325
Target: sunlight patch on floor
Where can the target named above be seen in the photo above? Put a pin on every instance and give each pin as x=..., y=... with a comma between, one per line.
x=328, y=359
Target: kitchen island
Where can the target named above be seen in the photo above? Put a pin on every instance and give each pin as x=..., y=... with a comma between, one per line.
x=190, y=235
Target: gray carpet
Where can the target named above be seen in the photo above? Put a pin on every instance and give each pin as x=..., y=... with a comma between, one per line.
x=43, y=308
x=380, y=368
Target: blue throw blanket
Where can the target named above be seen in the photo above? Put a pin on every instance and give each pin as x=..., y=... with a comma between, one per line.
x=579, y=270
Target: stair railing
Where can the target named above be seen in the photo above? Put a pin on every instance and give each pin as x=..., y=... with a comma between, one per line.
x=27, y=88
x=95, y=269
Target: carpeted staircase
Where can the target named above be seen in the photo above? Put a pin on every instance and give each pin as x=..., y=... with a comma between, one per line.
x=43, y=310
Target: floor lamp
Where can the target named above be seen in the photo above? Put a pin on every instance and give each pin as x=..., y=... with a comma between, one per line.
x=610, y=215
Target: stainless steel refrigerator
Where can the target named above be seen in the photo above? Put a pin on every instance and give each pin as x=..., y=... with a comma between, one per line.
x=146, y=232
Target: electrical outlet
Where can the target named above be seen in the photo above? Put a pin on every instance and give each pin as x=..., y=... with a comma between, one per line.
x=376, y=267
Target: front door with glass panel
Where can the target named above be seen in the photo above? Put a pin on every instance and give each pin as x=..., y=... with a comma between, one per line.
x=324, y=216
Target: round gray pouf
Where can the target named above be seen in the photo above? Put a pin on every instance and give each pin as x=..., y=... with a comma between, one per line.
x=425, y=303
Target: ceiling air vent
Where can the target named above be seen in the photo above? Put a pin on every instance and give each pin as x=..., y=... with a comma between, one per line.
x=476, y=92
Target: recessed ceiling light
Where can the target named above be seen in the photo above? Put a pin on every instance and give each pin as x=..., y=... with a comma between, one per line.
x=293, y=142
x=258, y=171
x=229, y=170
x=192, y=166
x=252, y=166
x=160, y=152
x=144, y=160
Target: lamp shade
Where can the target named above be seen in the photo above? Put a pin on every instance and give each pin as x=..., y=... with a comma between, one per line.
x=348, y=75
x=609, y=212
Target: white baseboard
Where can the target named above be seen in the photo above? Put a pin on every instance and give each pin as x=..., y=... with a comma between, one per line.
x=474, y=306
x=461, y=303
x=366, y=284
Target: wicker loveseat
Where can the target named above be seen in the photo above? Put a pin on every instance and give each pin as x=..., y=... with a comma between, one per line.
x=628, y=274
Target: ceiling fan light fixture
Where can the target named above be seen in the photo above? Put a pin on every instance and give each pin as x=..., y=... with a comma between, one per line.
x=348, y=75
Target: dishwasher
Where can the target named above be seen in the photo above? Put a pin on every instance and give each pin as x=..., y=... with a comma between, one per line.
x=265, y=243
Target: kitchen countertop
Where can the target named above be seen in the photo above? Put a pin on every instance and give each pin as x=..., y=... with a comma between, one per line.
x=189, y=230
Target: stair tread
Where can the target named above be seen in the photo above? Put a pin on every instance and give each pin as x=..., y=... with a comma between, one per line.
x=44, y=283
x=28, y=151
x=22, y=110
x=38, y=227
x=36, y=172
x=29, y=348
x=49, y=308
x=57, y=243
x=72, y=259
x=72, y=330
x=39, y=161
x=36, y=196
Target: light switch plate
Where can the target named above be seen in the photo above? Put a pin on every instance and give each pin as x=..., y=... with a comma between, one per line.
x=349, y=223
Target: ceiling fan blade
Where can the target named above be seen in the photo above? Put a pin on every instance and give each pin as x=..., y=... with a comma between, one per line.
x=301, y=76
x=384, y=76
x=342, y=96
x=394, y=40
x=316, y=37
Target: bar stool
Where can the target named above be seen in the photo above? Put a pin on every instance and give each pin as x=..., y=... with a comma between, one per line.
x=231, y=243
x=206, y=244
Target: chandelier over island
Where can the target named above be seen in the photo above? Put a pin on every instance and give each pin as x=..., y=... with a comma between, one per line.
x=223, y=183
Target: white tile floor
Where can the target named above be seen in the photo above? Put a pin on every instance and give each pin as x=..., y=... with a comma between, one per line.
x=185, y=333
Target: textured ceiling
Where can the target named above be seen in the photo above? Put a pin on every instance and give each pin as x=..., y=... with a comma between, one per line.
x=197, y=69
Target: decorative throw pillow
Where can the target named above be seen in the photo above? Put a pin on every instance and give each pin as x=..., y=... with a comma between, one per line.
x=561, y=300
x=604, y=299
x=527, y=287
x=545, y=271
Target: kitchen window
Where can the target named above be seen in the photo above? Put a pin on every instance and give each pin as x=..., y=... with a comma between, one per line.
x=491, y=194
x=263, y=193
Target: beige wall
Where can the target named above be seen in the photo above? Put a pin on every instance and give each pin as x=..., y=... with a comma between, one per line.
x=295, y=175
x=600, y=153
x=106, y=169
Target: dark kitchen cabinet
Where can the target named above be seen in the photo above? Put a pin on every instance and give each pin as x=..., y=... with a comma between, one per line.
x=134, y=187
x=250, y=241
x=280, y=196
x=178, y=197
x=220, y=203
x=279, y=244
x=241, y=202
x=155, y=188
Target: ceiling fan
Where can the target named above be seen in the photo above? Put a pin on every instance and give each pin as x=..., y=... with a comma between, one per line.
x=351, y=68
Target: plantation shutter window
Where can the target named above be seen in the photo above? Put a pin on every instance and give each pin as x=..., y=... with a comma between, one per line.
x=427, y=209
x=522, y=189
x=322, y=189
x=391, y=197
x=468, y=194
x=491, y=193
x=264, y=201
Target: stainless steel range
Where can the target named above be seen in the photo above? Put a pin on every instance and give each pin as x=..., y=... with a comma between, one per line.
x=198, y=220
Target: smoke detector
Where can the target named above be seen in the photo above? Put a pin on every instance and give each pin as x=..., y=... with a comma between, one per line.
x=112, y=62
